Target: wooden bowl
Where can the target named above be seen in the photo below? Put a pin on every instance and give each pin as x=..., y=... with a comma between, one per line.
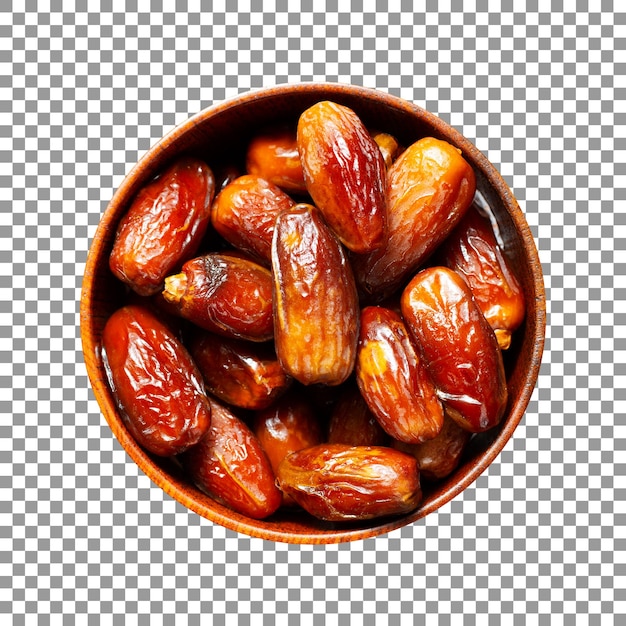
x=222, y=132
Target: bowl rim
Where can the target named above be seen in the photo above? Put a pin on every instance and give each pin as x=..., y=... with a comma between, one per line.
x=255, y=528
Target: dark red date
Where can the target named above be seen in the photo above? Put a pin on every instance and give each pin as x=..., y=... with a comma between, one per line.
x=225, y=294
x=289, y=425
x=458, y=346
x=344, y=173
x=155, y=382
x=439, y=457
x=239, y=372
x=164, y=226
x=229, y=465
x=245, y=211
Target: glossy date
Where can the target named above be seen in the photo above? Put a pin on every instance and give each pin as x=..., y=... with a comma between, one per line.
x=458, y=346
x=338, y=482
x=224, y=293
x=244, y=213
x=344, y=173
x=229, y=465
x=394, y=380
x=429, y=188
x=164, y=226
x=440, y=456
x=156, y=384
x=316, y=309
x=473, y=251
x=239, y=372
x=273, y=155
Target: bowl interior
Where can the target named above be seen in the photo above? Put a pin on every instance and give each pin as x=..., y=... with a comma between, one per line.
x=219, y=135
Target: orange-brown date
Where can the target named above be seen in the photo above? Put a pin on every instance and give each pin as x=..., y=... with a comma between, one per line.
x=244, y=213
x=229, y=465
x=473, y=251
x=273, y=155
x=351, y=421
x=338, y=482
x=439, y=457
x=429, y=188
x=393, y=379
x=164, y=226
x=287, y=426
x=344, y=173
x=224, y=293
x=238, y=372
x=316, y=310
x=155, y=382
x=389, y=147
x=458, y=346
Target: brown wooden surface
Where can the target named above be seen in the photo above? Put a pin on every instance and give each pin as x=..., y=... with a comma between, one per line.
x=221, y=133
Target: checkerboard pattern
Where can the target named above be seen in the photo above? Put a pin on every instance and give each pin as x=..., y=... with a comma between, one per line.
x=88, y=87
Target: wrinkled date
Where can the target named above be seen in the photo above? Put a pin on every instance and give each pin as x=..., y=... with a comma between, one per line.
x=273, y=155
x=439, y=457
x=244, y=213
x=238, y=372
x=316, y=311
x=156, y=384
x=429, y=188
x=287, y=426
x=337, y=482
x=229, y=465
x=394, y=380
x=458, y=346
x=344, y=173
x=472, y=251
x=225, y=294
x=164, y=226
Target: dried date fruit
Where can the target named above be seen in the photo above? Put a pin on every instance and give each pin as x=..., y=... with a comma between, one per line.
x=238, y=372
x=156, y=384
x=337, y=482
x=394, y=380
x=287, y=426
x=344, y=173
x=439, y=457
x=229, y=465
x=316, y=311
x=273, y=155
x=389, y=147
x=458, y=346
x=244, y=213
x=472, y=251
x=164, y=226
x=429, y=188
x=224, y=293
x=351, y=421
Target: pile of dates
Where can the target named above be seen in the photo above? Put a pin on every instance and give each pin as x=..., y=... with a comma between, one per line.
x=320, y=329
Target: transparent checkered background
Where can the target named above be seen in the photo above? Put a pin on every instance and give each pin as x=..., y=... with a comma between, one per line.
x=88, y=87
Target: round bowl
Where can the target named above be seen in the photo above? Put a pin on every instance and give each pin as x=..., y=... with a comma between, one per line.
x=221, y=132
